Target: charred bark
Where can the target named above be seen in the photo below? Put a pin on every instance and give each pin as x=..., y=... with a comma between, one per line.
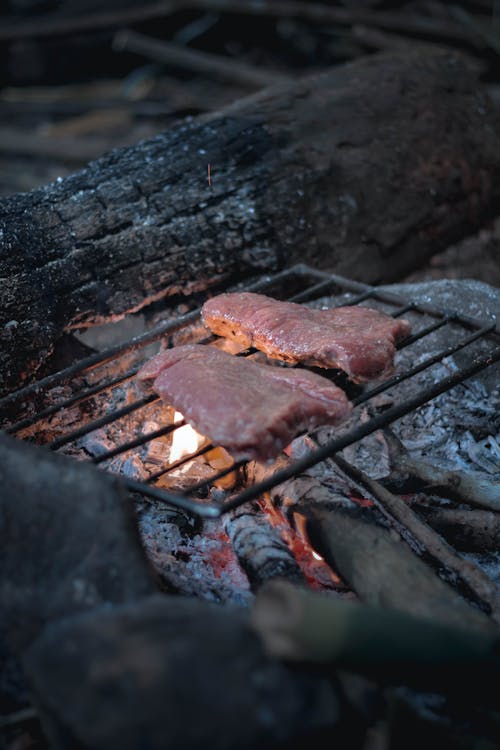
x=366, y=169
x=261, y=551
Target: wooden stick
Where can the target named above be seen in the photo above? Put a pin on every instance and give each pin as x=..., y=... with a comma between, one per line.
x=471, y=530
x=323, y=13
x=76, y=151
x=59, y=25
x=314, y=12
x=466, y=487
x=261, y=551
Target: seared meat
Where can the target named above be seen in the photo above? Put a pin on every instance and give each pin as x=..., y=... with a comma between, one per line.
x=358, y=340
x=252, y=410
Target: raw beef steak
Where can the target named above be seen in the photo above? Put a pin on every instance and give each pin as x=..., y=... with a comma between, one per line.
x=358, y=340
x=252, y=410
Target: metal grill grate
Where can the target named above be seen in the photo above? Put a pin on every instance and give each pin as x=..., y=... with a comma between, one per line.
x=314, y=284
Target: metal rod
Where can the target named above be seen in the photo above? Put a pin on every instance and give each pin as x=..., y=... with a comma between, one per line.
x=172, y=498
x=141, y=440
x=395, y=299
x=219, y=475
x=422, y=366
x=78, y=398
x=101, y=421
x=424, y=332
x=180, y=462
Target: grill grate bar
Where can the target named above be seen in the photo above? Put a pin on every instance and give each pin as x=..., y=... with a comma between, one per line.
x=386, y=385
x=424, y=332
x=194, y=507
x=141, y=440
x=78, y=398
x=395, y=299
x=102, y=421
x=422, y=366
x=219, y=475
x=321, y=281
x=215, y=509
x=180, y=462
x=404, y=309
x=307, y=294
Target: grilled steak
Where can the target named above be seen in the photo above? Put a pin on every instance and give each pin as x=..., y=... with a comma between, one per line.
x=252, y=410
x=358, y=340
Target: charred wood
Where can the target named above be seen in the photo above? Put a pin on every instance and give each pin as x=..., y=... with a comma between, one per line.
x=68, y=541
x=372, y=559
x=466, y=487
x=321, y=171
x=468, y=530
x=481, y=586
x=261, y=551
x=382, y=643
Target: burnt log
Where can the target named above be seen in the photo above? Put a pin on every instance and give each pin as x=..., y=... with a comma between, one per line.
x=366, y=169
x=467, y=530
x=68, y=543
x=261, y=550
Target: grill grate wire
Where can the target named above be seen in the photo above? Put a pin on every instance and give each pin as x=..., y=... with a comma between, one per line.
x=322, y=282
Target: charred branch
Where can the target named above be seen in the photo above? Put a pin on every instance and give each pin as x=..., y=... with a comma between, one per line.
x=294, y=171
x=467, y=487
x=68, y=541
x=381, y=643
x=261, y=551
x=468, y=530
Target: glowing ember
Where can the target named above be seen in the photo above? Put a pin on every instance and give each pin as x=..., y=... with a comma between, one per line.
x=185, y=441
x=313, y=566
x=219, y=459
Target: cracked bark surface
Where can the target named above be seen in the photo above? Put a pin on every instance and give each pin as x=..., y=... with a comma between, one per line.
x=366, y=169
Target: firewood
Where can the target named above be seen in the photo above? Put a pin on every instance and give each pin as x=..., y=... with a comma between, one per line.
x=468, y=530
x=370, y=558
x=443, y=553
x=367, y=169
x=261, y=551
x=467, y=487
x=68, y=541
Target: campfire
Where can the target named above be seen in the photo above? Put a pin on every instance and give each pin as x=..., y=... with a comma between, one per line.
x=95, y=410
x=320, y=515
x=227, y=520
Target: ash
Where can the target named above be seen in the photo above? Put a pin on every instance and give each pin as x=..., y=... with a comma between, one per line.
x=195, y=561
